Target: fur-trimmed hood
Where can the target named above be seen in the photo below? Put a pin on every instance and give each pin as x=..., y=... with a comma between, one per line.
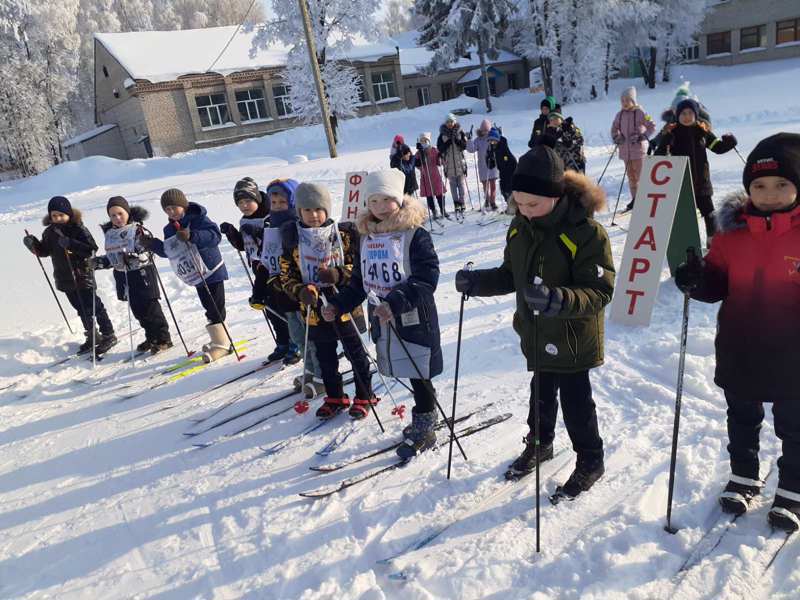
x=445, y=130
x=729, y=215
x=585, y=195
x=75, y=219
x=410, y=216
x=138, y=214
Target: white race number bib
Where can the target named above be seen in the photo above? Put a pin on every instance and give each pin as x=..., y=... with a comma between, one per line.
x=120, y=242
x=382, y=262
x=271, y=250
x=185, y=260
x=316, y=249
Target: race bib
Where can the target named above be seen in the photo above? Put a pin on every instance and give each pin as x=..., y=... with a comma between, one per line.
x=119, y=242
x=271, y=250
x=185, y=260
x=316, y=249
x=251, y=248
x=383, y=263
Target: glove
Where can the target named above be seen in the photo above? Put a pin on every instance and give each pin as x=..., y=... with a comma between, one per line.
x=689, y=275
x=31, y=243
x=619, y=140
x=309, y=295
x=227, y=228
x=330, y=312
x=548, y=302
x=384, y=312
x=419, y=146
x=147, y=242
x=97, y=262
x=64, y=242
x=566, y=142
x=730, y=139
x=184, y=234
x=256, y=303
x=251, y=229
x=330, y=276
x=465, y=281
x=568, y=122
x=445, y=138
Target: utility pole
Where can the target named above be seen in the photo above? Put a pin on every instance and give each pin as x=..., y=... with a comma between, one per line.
x=312, y=56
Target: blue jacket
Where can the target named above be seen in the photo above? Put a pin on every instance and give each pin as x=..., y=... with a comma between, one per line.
x=205, y=235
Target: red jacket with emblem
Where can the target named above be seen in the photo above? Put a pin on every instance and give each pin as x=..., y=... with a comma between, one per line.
x=753, y=269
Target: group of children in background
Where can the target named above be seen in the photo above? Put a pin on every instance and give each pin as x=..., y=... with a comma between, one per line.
x=312, y=275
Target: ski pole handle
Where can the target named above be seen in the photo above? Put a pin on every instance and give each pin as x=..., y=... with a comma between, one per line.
x=372, y=298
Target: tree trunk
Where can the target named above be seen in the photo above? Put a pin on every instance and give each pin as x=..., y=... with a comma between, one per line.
x=652, y=74
x=485, y=80
x=607, y=69
x=666, y=76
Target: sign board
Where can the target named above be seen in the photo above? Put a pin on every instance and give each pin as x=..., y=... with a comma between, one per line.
x=663, y=223
x=354, y=203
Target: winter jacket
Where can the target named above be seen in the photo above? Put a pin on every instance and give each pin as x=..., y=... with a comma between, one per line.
x=413, y=306
x=292, y=279
x=539, y=126
x=480, y=144
x=205, y=235
x=237, y=239
x=568, y=250
x=451, y=144
x=430, y=180
x=630, y=131
x=693, y=141
x=752, y=268
x=409, y=169
x=569, y=145
x=82, y=245
x=142, y=277
x=506, y=165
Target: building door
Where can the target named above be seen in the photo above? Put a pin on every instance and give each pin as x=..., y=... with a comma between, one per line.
x=447, y=91
x=423, y=96
x=148, y=147
x=472, y=90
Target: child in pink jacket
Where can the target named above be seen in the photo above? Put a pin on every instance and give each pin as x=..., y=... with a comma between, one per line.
x=631, y=129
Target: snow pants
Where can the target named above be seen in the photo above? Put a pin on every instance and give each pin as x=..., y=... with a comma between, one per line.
x=745, y=416
x=297, y=333
x=432, y=206
x=81, y=301
x=424, y=395
x=214, y=303
x=326, y=345
x=458, y=190
x=580, y=415
x=150, y=316
x=264, y=294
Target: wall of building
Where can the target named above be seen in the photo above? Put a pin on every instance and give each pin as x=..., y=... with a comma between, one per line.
x=108, y=143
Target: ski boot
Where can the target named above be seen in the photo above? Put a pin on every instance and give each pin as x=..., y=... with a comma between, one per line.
x=738, y=493
x=219, y=345
x=157, y=347
x=582, y=479
x=332, y=407
x=105, y=342
x=360, y=407
x=421, y=437
x=293, y=355
x=313, y=388
x=526, y=462
x=785, y=511
x=280, y=352
x=86, y=346
x=145, y=346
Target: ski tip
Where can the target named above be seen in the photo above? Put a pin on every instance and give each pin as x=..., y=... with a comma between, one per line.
x=201, y=445
x=399, y=576
x=190, y=434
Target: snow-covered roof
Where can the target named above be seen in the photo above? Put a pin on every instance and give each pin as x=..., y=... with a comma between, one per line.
x=476, y=74
x=414, y=58
x=159, y=56
x=87, y=135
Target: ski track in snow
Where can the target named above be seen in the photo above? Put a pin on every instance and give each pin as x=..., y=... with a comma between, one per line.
x=102, y=496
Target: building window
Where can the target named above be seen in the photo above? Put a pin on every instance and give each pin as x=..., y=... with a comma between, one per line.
x=213, y=109
x=283, y=103
x=424, y=96
x=788, y=31
x=512, y=81
x=753, y=37
x=691, y=53
x=718, y=43
x=383, y=86
x=251, y=104
x=105, y=71
x=473, y=90
x=447, y=91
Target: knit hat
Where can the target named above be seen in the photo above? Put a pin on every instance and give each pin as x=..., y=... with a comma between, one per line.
x=284, y=187
x=174, y=197
x=399, y=139
x=59, y=204
x=485, y=126
x=690, y=104
x=555, y=115
x=494, y=134
x=682, y=93
x=540, y=171
x=313, y=196
x=120, y=202
x=630, y=94
x=425, y=135
x=388, y=182
x=549, y=102
x=778, y=155
x=246, y=188
x=451, y=117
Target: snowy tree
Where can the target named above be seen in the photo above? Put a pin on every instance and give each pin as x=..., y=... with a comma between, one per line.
x=335, y=25
x=453, y=28
x=398, y=17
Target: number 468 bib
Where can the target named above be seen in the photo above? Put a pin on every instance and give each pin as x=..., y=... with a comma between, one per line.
x=383, y=262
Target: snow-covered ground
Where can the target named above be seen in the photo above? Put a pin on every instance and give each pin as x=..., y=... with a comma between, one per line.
x=103, y=497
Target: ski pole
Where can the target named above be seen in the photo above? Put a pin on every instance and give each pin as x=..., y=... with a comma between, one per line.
x=169, y=304
x=537, y=395
x=253, y=288
x=740, y=155
x=55, y=296
x=619, y=195
x=468, y=266
x=94, y=326
x=613, y=152
x=690, y=256
x=130, y=322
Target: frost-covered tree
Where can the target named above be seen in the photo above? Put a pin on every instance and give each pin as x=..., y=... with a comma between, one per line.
x=477, y=25
x=398, y=17
x=335, y=25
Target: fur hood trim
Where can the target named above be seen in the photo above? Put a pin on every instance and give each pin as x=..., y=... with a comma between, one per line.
x=445, y=130
x=582, y=189
x=729, y=215
x=410, y=216
x=76, y=219
x=138, y=214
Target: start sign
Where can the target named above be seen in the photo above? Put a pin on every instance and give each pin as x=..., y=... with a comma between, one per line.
x=354, y=203
x=663, y=223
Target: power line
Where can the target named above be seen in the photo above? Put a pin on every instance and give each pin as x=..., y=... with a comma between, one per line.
x=238, y=28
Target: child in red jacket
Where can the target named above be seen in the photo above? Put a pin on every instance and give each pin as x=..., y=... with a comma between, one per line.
x=753, y=269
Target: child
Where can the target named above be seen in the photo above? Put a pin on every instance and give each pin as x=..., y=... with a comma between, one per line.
x=396, y=151
x=692, y=137
x=70, y=246
x=547, y=106
x=554, y=238
x=428, y=161
x=318, y=255
x=135, y=273
x=394, y=223
x=753, y=269
x=486, y=173
x=407, y=166
x=506, y=164
x=631, y=130
x=191, y=242
x=250, y=238
x=568, y=141
x=451, y=144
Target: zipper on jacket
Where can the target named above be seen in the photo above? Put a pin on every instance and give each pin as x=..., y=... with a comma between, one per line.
x=769, y=223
